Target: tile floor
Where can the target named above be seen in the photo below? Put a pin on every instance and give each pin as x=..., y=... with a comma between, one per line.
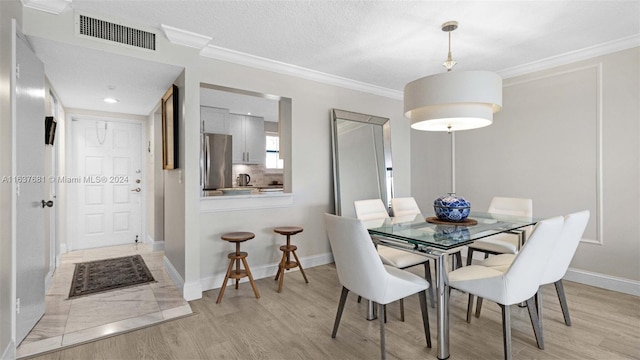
x=68, y=322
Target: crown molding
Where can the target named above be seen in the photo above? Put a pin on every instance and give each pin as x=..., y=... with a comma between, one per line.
x=187, y=38
x=241, y=58
x=572, y=56
x=50, y=6
x=184, y=37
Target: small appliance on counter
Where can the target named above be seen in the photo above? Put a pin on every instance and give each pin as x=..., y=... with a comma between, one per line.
x=243, y=179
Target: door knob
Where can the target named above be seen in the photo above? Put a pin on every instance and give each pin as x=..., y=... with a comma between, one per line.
x=137, y=189
x=47, y=203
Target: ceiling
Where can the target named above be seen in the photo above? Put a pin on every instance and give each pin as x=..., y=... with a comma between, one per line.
x=381, y=43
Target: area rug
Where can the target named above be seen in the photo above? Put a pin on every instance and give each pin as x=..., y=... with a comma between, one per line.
x=109, y=274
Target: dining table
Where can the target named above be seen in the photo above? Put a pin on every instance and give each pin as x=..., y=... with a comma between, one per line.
x=436, y=239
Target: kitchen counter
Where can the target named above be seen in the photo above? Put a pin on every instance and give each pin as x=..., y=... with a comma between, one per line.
x=244, y=190
x=255, y=200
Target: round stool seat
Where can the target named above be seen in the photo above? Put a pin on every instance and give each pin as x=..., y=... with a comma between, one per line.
x=238, y=236
x=288, y=230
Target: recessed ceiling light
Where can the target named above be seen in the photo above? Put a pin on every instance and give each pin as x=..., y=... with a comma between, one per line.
x=110, y=100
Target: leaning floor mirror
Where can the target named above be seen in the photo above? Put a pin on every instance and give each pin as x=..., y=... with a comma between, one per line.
x=362, y=166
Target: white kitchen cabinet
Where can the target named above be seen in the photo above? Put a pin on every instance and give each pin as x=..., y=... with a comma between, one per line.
x=248, y=139
x=214, y=120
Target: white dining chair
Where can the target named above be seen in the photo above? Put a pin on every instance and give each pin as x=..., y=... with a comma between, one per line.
x=405, y=206
x=374, y=209
x=361, y=271
x=518, y=284
x=560, y=259
x=506, y=243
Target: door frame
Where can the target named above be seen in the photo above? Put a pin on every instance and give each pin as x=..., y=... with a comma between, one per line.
x=72, y=200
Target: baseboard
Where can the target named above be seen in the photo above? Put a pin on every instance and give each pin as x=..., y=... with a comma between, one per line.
x=9, y=352
x=63, y=248
x=155, y=245
x=158, y=246
x=270, y=270
x=47, y=280
x=608, y=282
x=178, y=281
x=192, y=290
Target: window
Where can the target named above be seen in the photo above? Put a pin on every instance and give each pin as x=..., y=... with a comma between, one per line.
x=273, y=160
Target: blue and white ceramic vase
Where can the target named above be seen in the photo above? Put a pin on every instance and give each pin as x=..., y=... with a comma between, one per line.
x=451, y=208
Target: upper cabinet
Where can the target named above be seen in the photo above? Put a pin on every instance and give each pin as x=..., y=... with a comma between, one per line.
x=214, y=120
x=248, y=139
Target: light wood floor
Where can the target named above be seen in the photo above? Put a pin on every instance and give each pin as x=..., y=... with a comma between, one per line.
x=297, y=323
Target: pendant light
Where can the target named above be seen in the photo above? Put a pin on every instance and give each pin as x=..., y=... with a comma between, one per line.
x=453, y=101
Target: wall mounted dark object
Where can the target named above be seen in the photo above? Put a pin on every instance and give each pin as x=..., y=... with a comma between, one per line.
x=49, y=129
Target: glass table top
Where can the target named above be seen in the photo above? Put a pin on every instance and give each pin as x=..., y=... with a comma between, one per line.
x=417, y=231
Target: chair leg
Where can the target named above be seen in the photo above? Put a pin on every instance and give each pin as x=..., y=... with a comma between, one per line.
x=537, y=329
x=385, y=313
x=470, y=307
x=469, y=256
x=538, y=302
x=343, y=299
x=458, y=262
x=383, y=351
x=506, y=331
x=427, y=275
x=401, y=309
x=478, y=306
x=563, y=302
x=425, y=317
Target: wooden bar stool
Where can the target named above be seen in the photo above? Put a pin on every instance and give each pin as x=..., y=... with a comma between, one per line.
x=236, y=257
x=287, y=250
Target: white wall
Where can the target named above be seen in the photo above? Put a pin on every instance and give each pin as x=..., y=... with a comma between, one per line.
x=567, y=137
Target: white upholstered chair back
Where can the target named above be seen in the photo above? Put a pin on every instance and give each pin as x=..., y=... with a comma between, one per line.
x=511, y=206
x=405, y=206
x=523, y=278
x=357, y=262
x=370, y=209
x=565, y=248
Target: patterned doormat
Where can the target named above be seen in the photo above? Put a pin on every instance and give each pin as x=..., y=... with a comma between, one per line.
x=109, y=274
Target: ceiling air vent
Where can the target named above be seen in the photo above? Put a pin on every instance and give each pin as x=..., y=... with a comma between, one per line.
x=109, y=31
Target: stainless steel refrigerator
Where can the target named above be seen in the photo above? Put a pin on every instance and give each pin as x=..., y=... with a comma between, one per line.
x=215, y=162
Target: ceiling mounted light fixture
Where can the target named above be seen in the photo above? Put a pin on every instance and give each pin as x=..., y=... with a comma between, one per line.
x=453, y=101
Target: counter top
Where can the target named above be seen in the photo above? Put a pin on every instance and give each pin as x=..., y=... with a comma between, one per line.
x=255, y=200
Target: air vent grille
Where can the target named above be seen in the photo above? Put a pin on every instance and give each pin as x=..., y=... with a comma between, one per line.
x=105, y=30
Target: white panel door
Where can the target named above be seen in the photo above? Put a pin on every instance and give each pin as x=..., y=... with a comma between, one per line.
x=109, y=182
x=30, y=190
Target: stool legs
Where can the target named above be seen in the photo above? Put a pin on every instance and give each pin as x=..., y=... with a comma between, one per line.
x=253, y=284
x=238, y=273
x=286, y=263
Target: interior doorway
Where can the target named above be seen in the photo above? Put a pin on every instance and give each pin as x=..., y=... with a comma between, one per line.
x=107, y=185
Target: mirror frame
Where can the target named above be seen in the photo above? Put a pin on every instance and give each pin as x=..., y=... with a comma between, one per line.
x=385, y=183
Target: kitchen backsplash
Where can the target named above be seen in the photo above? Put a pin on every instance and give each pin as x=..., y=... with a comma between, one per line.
x=259, y=177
